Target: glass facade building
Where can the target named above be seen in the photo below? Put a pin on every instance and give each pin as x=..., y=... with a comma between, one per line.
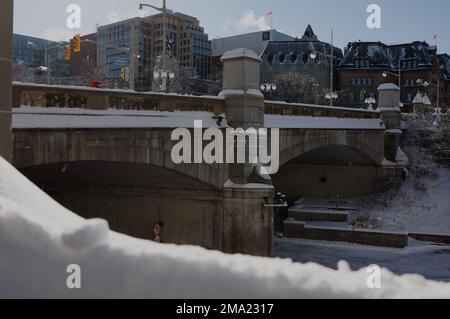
x=137, y=44
x=123, y=43
x=34, y=52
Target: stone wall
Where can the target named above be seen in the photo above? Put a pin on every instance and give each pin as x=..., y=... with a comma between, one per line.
x=83, y=97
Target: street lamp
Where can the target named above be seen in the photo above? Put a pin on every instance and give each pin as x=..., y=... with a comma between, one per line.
x=370, y=101
x=313, y=56
x=163, y=10
x=316, y=85
x=267, y=87
x=332, y=96
x=399, y=75
x=164, y=75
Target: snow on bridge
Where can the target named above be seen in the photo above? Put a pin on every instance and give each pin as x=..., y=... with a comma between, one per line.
x=58, y=118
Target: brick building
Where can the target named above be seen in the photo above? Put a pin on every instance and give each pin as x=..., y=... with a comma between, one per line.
x=366, y=65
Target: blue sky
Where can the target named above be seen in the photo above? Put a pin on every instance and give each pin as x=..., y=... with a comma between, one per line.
x=402, y=20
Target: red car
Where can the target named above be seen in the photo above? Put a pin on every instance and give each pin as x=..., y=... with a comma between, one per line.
x=96, y=84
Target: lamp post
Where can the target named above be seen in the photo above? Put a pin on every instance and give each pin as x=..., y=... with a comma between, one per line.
x=163, y=10
x=315, y=85
x=370, y=101
x=313, y=56
x=331, y=97
x=164, y=75
x=49, y=61
x=268, y=88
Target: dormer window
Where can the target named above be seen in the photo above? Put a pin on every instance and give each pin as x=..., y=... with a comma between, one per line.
x=293, y=57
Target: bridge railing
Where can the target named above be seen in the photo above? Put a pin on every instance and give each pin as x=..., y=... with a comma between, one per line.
x=39, y=95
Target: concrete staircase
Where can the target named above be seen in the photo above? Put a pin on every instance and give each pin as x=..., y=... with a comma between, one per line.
x=329, y=221
x=317, y=215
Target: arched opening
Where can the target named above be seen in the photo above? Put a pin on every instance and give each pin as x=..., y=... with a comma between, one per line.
x=135, y=197
x=328, y=172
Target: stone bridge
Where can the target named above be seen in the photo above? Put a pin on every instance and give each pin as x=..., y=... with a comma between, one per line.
x=107, y=153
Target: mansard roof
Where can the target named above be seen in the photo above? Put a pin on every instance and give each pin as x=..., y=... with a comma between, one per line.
x=301, y=47
x=381, y=55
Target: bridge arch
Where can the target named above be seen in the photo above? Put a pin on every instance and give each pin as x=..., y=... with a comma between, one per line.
x=133, y=197
x=135, y=146
x=295, y=143
x=329, y=164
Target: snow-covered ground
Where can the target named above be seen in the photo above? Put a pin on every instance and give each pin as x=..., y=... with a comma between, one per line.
x=53, y=118
x=420, y=205
x=430, y=261
x=39, y=239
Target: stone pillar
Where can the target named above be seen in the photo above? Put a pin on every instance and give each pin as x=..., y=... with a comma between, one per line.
x=247, y=223
x=244, y=102
x=6, y=30
x=389, y=106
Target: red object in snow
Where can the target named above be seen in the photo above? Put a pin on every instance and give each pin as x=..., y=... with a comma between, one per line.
x=157, y=231
x=96, y=84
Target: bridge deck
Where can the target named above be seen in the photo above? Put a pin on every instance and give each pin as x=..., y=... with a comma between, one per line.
x=60, y=118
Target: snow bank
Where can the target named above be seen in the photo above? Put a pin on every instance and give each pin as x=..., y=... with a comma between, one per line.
x=39, y=239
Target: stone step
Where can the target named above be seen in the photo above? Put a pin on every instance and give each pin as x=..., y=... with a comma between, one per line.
x=295, y=229
x=317, y=215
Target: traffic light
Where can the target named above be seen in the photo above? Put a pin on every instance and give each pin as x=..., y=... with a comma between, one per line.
x=77, y=43
x=124, y=73
x=68, y=52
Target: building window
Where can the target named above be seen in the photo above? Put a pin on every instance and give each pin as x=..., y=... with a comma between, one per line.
x=354, y=82
x=359, y=82
x=409, y=98
x=266, y=36
x=361, y=96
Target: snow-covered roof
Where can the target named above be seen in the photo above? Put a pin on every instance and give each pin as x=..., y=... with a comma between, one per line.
x=388, y=86
x=240, y=53
x=389, y=56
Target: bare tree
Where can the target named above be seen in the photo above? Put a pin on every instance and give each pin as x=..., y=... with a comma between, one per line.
x=294, y=87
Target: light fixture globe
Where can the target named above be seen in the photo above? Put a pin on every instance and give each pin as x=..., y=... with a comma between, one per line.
x=156, y=75
x=313, y=55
